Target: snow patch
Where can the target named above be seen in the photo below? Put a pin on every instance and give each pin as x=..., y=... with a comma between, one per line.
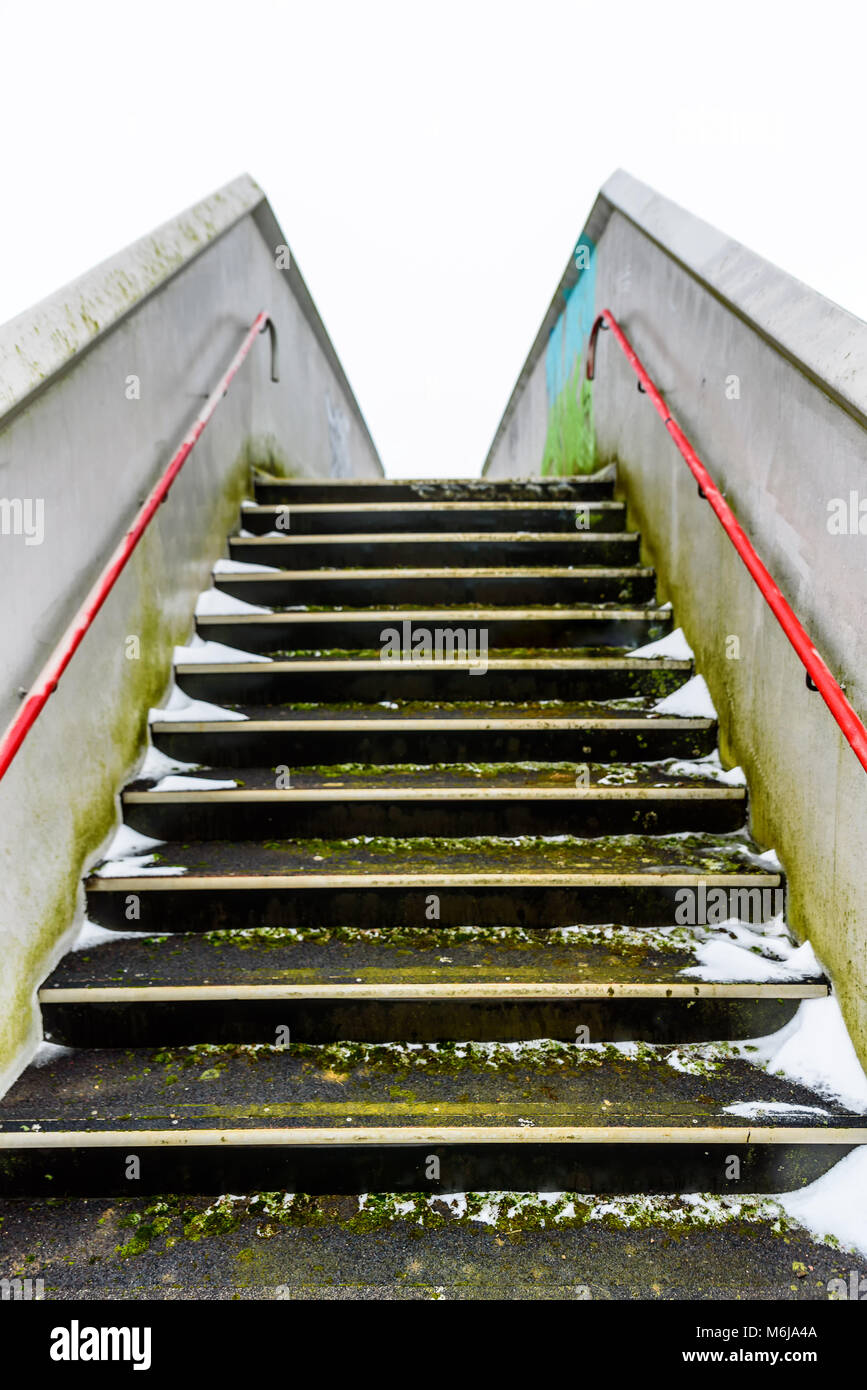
x=193, y=784
x=673, y=645
x=709, y=766
x=127, y=857
x=157, y=764
x=691, y=701
x=127, y=842
x=200, y=650
x=814, y=1048
x=140, y=866
x=689, y=1061
x=834, y=1204
x=729, y=962
x=214, y=603
x=91, y=937
x=755, y=1109
x=181, y=708
x=48, y=1052
x=737, y=951
x=769, y=859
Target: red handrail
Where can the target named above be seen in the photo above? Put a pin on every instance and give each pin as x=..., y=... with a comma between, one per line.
x=818, y=676
x=46, y=682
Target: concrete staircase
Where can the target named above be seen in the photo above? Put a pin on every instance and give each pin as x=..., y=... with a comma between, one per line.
x=375, y=959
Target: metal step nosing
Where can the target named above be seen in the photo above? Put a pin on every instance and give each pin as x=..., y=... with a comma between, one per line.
x=340, y=795
x=394, y=1136
x=602, y=663
x=472, y=481
x=460, y=572
x=404, y=726
x=146, y=883
x=437, y=615
x=509, y=504
x=482, y=991
x=438, y=537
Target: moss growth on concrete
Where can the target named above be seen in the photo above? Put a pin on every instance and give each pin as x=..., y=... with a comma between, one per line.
x=634, y=939
x=91, y=798
x=699, y=853
x=570, y=445
x=171, y=1219
x=442, y=1058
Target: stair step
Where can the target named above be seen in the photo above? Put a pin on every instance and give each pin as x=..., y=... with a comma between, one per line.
x=343, y=518
x=365, y=629
x=281, y=490
x=356, y=1117
x=384, y=550
x=201, y=885
x=522, y=858
x=411, y=985
x=357, y=679
x=372, y=588
x=340, y=812
x=278, y=735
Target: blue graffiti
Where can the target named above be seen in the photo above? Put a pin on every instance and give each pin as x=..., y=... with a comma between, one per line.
x=570, y=332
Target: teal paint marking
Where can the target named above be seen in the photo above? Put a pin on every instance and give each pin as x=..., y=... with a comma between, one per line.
x=572, y=329
x=570, y=446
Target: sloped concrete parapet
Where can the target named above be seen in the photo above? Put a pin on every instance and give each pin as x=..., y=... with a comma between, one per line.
x=769, y=381
x=98, y=385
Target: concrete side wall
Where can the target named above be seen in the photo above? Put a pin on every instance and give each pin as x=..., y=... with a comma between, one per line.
x=769, y=380
x=110, y=374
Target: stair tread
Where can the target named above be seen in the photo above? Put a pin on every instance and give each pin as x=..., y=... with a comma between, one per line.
x=398, y=547
x=495, y=1246
x=413, y=509
x=447, y=572
x=548, y=659
x=505, y=628
x=561, y=1086
x=441, y=614
x=691, y=789
x=457, y=778
x=474, y=483
x=444, y=538
x=578, y=959
x=480, y=584
x=636, y=713
x=555, y=859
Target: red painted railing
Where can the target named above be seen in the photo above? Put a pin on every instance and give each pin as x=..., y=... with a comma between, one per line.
x=818, y=676
x=46, y=682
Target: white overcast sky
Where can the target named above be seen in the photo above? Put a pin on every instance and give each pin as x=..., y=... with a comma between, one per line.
x=432, y=165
